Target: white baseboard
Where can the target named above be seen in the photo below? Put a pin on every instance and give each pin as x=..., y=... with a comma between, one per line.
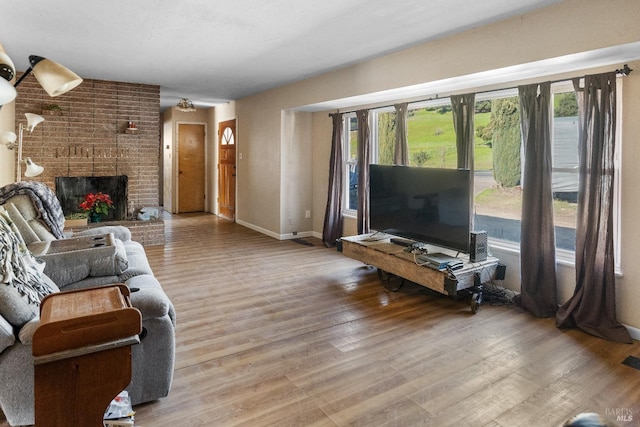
x=287, y=236
x=298, y=235
x=634, y=332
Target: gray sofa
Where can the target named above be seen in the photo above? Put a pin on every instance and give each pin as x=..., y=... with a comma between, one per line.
x=31, y=217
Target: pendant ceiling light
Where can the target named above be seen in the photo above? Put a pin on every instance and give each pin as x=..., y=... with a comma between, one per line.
x=185, y=105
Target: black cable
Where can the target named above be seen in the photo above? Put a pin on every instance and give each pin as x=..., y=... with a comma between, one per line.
x=497, y=295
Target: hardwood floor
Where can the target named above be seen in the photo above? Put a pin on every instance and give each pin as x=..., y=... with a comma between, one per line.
x=283, y=333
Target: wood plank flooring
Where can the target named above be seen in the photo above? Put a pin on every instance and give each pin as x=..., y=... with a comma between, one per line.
x=279, y=333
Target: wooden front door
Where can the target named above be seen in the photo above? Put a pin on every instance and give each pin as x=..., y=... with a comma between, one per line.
x=227, y=169
x=191, y=168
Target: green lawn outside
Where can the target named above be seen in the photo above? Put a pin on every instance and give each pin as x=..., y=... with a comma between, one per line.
x=432, y=132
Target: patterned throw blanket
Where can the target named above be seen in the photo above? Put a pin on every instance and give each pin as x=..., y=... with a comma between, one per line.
x=18, y=268
x=44, y=201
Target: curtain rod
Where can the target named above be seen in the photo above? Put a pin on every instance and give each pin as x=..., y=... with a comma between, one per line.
x=625, y=71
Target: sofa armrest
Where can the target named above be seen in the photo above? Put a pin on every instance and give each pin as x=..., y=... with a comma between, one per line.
x=71, y=260
x=26, y=332
x=148, y=296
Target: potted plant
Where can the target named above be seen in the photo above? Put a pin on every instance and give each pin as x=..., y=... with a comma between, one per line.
x=97, y=205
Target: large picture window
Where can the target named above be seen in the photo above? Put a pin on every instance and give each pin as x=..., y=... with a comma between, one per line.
x=350, y=155
x=497, y=158
x=498, y=190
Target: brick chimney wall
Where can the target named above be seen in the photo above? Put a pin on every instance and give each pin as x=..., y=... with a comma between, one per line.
x=89, y=136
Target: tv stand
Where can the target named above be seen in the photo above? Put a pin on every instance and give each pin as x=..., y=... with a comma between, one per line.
x=395, y=265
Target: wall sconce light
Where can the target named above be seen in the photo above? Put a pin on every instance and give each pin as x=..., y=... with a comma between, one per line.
x=54, y=78
x=8, y=138
x=185, y=105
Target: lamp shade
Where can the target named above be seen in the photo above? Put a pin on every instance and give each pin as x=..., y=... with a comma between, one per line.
x=33, y=120
x=8, y=138
x=32, y=168
x=7, y=69
x=54, y=78
x=7, y=72
x=7, y=92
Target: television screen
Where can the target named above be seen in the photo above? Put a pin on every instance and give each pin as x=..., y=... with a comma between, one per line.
x=427, y=205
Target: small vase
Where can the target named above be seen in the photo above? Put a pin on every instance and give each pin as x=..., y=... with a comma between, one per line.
x=95, y=217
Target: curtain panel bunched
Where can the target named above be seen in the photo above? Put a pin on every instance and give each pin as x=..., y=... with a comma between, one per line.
x=401, y=149
x=364, y=157
x=537, y=242
x=463, y=108
x=592, y=307
x=332, y=229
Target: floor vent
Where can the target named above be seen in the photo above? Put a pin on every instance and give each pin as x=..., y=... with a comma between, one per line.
x=302, y=242
x=632, y=361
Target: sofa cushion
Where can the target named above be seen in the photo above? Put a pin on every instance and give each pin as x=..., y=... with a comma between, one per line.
x=72, y=260
x=116, y=264
x=7, y=337
x=22, y=283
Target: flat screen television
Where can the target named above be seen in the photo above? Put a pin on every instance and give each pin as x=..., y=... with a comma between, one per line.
x=429, y=205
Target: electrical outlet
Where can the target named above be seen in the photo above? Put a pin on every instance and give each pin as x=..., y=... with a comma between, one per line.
x=307, y=214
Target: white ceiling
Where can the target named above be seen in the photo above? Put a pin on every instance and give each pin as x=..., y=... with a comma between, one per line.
x=212, y=51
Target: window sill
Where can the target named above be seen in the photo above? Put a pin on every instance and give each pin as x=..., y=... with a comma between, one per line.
x=350, y=214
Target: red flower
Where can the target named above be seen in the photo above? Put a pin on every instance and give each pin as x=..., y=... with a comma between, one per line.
x=97, y=202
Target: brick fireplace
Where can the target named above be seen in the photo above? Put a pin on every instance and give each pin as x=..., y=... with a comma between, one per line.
x=88, y=136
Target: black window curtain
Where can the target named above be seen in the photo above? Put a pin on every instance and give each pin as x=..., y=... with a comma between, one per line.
x=363, y=170
x=332, y=229
x=537, y=242
x=592, y=307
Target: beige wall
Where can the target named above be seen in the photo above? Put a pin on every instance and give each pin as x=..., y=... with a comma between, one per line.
x=573, y=26
x=7, y=157
x=628, y=291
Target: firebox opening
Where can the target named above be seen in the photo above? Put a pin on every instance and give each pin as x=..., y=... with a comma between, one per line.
x=70, y=190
